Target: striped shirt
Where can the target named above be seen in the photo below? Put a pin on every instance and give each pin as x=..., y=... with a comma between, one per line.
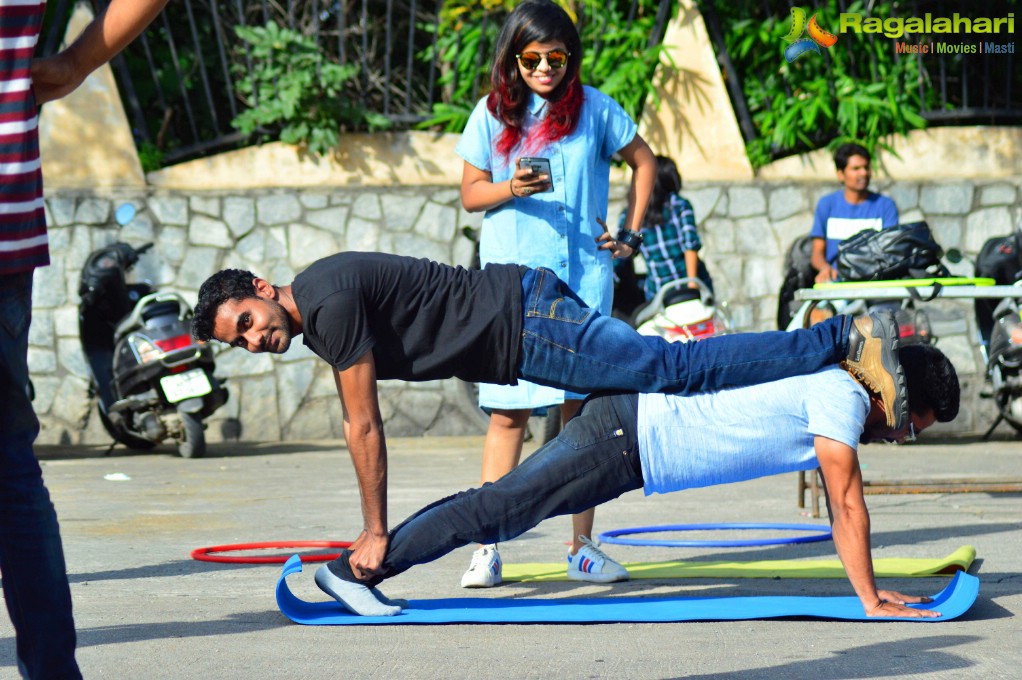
x=23, y=242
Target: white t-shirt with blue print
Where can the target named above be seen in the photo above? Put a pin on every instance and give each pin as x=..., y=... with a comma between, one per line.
x=837, y=220
x=744, y=433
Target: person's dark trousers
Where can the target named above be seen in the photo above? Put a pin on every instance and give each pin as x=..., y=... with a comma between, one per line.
x=31, y=556
x=593, y=460
x=569, y=345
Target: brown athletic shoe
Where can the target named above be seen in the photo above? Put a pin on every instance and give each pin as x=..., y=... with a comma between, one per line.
x=873, y=359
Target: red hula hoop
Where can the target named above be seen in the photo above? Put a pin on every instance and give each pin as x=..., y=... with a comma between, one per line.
x=206, y=554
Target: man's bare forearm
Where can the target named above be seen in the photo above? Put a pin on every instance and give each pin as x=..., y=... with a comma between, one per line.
x=368, y=450
x=851, y=538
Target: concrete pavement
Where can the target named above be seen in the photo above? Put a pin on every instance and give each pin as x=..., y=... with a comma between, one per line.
x=144, y=608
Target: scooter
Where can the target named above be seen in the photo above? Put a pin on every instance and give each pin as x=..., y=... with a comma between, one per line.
x=678, y=313
x=1004, y=363
x=152, y=380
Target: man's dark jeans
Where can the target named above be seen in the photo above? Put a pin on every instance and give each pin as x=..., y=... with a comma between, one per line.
x=31, y=556
x=569, y=345
x=595, y=459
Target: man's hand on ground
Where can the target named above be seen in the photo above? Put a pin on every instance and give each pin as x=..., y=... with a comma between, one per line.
x=893, y=603
x=367, y=553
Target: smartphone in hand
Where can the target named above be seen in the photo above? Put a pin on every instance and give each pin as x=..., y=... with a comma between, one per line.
x=539, y=166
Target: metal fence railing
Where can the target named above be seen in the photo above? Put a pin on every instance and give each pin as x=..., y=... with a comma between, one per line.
x=178, y=80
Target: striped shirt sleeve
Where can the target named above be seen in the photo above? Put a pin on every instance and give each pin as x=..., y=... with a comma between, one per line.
x=23, y=240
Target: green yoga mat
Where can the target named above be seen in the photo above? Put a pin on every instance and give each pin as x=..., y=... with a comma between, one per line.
x=884, y=567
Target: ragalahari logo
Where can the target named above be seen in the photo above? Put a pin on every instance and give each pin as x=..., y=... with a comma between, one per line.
x=817, y=36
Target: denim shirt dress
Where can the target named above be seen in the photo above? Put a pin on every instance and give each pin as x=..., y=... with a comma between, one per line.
x=557, y=229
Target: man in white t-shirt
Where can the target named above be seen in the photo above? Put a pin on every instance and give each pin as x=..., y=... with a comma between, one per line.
x=664, y=443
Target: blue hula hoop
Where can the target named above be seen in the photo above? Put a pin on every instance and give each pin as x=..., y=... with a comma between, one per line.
x=819, y=533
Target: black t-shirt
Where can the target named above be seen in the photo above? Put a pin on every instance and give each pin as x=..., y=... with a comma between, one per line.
x=421, y=319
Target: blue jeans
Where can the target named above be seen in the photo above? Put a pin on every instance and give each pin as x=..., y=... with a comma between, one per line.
x=569, y=345
x=593, y=460
x=31, y=555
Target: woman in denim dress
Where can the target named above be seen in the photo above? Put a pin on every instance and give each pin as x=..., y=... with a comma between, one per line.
x=538, y=108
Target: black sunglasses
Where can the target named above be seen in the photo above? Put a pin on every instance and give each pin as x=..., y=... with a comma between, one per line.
x=554, y=58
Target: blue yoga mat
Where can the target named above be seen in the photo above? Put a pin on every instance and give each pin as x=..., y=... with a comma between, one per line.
x=952, y=602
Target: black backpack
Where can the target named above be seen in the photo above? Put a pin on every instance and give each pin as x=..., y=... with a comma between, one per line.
x=798, y=273
x=906, y=251
x=1000, y=259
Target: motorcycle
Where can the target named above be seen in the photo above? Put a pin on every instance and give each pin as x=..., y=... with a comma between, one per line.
x=1004, y=363
x=152, y=380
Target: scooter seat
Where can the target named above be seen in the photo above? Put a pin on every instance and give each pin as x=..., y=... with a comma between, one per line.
x=676, y=295
x=160, y=309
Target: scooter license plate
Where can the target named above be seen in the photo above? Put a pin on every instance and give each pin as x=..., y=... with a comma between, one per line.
x=193, y=383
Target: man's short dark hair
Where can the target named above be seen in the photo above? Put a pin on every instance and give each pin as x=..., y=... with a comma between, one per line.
x=932, y=381
x=229, y=284
x=846, y=151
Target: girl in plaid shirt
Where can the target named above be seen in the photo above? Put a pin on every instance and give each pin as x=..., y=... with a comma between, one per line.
x=671, y=243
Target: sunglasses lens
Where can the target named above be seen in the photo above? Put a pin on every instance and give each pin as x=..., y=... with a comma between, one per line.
x=557, y=59
x=530, y=60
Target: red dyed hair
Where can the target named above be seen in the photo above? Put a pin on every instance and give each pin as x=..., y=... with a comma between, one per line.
x=534, y=21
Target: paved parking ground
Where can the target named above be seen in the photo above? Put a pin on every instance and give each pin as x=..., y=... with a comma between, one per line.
x=144, y=608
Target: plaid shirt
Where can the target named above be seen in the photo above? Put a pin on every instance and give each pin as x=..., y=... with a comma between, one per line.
x=23, y=241
x=665, y=244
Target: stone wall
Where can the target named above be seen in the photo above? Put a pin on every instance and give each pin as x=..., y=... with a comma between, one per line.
x=746, y=228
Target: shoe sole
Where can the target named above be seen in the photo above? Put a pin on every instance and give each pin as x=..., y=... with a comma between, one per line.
x=596, y=578
x=895, y=395
x=892, y=365
x=482, y=585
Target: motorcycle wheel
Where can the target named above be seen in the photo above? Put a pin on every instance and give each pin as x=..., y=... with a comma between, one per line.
x=193, y=445
x=1009, y=416
x=122, y=437
x=1003, y=396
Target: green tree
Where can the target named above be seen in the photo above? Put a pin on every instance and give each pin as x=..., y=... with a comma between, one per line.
x=296, y=92
x=857, y=90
